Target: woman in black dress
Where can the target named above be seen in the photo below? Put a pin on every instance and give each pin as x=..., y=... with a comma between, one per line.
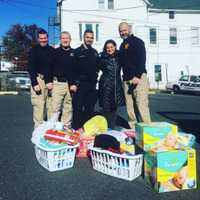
x=110, y=84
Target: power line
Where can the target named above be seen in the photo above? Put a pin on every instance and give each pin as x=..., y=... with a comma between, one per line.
x=88, y=10
x=125, y=8
x=82, y=12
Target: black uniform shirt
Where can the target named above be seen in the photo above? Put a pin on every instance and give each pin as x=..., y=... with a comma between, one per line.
x=87, y=64
x=64, y=64
x=41, y=62
x=132, y=57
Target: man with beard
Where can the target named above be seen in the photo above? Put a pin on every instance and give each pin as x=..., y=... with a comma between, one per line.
x=87, y=64
x=136, y=85
x=40, y=70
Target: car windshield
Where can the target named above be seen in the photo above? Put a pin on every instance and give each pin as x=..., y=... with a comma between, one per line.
x=18, y=74
x=184, y=78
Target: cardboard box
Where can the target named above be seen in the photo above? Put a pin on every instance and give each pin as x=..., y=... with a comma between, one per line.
x=83, y=151
x=153, y=134
x=171, y=170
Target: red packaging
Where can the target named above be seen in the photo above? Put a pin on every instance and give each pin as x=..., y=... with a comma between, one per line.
x=82, y=151
x=59, y=136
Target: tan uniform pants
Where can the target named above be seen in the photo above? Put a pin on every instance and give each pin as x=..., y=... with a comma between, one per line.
x=139, y=97
x=41, y=103
x=61, y=100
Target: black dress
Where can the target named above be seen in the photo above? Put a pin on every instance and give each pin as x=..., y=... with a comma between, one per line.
x=110, y=85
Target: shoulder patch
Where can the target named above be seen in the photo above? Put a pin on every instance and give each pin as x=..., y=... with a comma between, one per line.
x=126, y=46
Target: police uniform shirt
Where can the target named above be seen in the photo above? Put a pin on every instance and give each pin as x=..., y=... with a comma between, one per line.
x=41, y=62
x=64, y=65
x=132, y=57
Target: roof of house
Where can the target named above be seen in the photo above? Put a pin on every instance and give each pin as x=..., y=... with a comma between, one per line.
x=175, y=4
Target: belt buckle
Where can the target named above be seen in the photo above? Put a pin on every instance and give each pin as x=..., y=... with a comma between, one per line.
x=41, y=76
x=55, y=78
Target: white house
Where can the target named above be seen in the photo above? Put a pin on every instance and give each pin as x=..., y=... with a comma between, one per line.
x=169, y=28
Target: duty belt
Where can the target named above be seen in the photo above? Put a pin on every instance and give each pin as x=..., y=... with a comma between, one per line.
x=41, y=76
x=60, y=79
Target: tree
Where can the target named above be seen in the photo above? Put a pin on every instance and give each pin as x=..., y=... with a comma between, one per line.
x=18, y=41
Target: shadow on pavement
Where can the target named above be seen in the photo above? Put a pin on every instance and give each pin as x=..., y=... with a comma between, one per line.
x=186, y=121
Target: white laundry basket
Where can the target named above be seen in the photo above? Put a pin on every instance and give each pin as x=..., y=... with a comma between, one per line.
x=117, y=165
x=56, y=159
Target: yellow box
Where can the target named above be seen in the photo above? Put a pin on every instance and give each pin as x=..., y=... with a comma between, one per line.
x=149, y=136
x=171, y=170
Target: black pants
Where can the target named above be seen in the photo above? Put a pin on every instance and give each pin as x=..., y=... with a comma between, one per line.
x=83, y=103
x=111, y=118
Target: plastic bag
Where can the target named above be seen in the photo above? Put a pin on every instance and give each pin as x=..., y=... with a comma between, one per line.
x=186, y=140
x=120, y=136
x=95, y=125
x=39, y=131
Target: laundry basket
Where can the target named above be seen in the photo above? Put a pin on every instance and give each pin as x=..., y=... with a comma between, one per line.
x=56, y=159
x=117, y=165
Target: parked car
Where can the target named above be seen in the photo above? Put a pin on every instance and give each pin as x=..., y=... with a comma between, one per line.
x=21, y=79
x=185, y=83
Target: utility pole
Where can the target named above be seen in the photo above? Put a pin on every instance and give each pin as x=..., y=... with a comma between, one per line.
x=59, y=12
x=166, y=70
x=54, y=23
x=0, y=52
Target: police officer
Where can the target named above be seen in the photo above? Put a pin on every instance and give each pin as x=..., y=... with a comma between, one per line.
x=87, y=63
x=64, y=79
x=40, y=70
x=136, y=86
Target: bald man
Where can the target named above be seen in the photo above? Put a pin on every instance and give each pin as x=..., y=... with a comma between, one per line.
x=136, y=85
x=64, y=79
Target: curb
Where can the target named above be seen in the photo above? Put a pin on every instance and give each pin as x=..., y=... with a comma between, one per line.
x=152, y=92
x=9, y=93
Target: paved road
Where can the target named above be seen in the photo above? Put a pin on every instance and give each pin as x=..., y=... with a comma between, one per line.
x=22, y=178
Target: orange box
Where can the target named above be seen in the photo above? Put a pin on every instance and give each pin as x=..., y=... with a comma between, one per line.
x=82, y=151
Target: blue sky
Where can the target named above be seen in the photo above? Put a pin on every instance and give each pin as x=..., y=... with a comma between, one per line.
x=25, y=12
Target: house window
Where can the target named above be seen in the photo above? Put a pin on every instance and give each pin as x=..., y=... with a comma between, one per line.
x=97, y=32
x=110, y=4
x=153, y=35
x=171, y=14
x=195, y=35
x=89, y=26
x=101, y=4
x=182, y=72
x=80, y=32
x=158, y=73
x=173, y=36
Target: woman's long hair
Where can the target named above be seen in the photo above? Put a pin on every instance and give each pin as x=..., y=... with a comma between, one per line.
x=109, y=42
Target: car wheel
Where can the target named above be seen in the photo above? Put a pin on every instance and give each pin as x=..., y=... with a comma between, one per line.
x=176, y=89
